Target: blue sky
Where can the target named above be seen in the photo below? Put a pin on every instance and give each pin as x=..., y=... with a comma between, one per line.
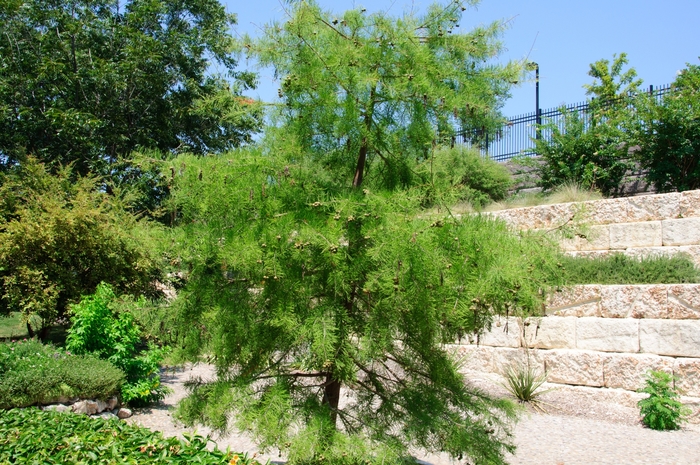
x=563, y=36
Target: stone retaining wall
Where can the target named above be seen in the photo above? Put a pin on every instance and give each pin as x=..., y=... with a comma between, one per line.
x=649, y=225
x=608, y=336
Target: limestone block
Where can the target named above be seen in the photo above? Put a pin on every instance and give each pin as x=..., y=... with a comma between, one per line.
x=597, y=238
x=628, y=371
x=634, y=301
x=630, y=235
x=555, y=215
x=574, y=367
x=505, y=357
x=653, y=207
x=472, y=357
x=679, y=338
x=684, y=231
x=505, y=332
x=607, y=334
x=574, y=301
x=690, y=204
x=607, y=211
x=550, y=332
x=684, y=301
x=688, y=372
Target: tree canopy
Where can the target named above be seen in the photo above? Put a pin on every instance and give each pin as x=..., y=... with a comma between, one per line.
x=367, y=92
x=89, y=81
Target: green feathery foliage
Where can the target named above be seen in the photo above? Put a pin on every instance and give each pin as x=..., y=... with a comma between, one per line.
x=368, y=94
x=302, y=291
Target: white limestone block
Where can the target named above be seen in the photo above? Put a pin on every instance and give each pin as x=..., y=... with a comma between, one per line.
x=505, y=332
x=684, y=231
x=577, y=367
x=550, y=332
x=634, y=301
x=679, y=338
x=653, y=207
x=607, y=334
x=575, y=301
x=684, y=301
x=630, y=235
x=628, y=371
x=687, y=371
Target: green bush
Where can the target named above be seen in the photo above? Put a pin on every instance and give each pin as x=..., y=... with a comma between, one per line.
x=669, y=135
x=464, y=175
x=35, y=436
x=661, y=410
x=621, y=269
x=32, y=373
x=523, y=382
x=102, y=325
x=590, y=154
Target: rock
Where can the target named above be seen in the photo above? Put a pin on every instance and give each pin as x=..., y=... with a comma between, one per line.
x=687, y=371
x=607, y=334
x=574, y=367
x=634, y=301
x=679, y=338
x=101, y=405
x=690, y=203
x=86, y=407
x=653, y=207
x=112, y=403
x=505, y=332
x=628, y=371
x=575, y=301
x=550, y=332
x=630, y=235
x=57, y=408
x=684, y=231
x=684, y=301
x=106, y=415
x=124, y=413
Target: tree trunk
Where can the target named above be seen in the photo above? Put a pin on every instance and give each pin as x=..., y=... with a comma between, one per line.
x=360, y=167
x=331, y=396
x=30, y=331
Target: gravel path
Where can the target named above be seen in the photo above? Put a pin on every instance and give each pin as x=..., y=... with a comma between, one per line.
x=584, y=426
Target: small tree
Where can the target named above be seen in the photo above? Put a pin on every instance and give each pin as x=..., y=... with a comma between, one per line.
x=60, y=238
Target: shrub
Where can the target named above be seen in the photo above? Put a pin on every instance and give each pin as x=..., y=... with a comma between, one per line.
x=102, y=325
x=621, y=269
x=463, y=174
x=661, y=410
x=32, y=373
x=669, y=135
x=35, y=436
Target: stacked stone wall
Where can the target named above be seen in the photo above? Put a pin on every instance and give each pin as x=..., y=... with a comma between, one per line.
x=608, y=336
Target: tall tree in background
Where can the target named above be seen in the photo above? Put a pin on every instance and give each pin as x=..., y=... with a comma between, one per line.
x=89, y=81
x=368, y=92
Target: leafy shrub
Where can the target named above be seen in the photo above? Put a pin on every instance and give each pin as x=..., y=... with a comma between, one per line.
x=35, y=436
x=102, y=325
x=59, y=238
x=621, y=269
x=669, y=135
x=661, y=410
x=463, y=174
x=32, y=373
x=589, y=153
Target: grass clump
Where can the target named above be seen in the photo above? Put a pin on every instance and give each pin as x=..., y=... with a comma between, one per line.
x=621, y=269
x=35, y=436
x=661, y=410
x=568, y=192
x=524, y=382
x=33, y=373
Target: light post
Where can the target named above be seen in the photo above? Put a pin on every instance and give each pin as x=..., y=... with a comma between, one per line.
x=538, y=114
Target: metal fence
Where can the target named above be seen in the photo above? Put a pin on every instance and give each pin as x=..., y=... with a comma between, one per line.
x=517, y=135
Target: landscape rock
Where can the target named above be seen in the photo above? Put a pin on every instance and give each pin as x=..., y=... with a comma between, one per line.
x=575, y=301
x=550, y=332
x=86, y=407
x=576, y=367
x=106, y=415
x=629, y=235
x=606, y=211
x=679, y=338
x=124, y=413
x=653, y=207
x=685, y=231
x=628, y=371
x=687, y=371
x=505, y=357
x=607, y=334
x=690, y=204
x=684, y=301
x=505, y=332
x=112, y=403
x=634, y=301
x=57, y=408
x=597, y=237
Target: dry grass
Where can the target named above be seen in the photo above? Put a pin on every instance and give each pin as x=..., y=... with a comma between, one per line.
x=565, y=193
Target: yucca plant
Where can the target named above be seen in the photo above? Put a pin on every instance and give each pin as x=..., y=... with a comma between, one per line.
x=524, y=382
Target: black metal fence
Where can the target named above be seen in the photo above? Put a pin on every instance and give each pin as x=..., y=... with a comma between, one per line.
x=517, y=136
